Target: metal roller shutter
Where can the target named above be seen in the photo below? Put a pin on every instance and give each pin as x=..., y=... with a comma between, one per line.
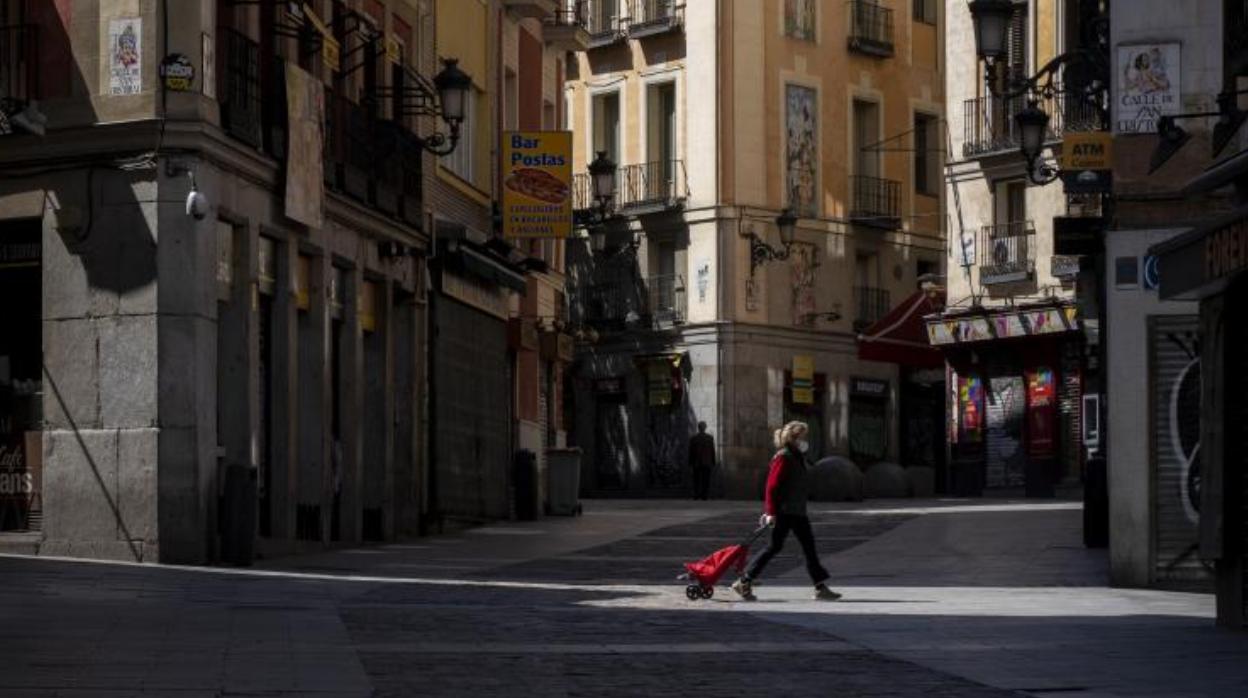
x=1175, y=430
x=1006, y=402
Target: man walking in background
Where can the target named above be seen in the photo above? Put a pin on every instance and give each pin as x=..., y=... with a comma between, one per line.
x=702, y=461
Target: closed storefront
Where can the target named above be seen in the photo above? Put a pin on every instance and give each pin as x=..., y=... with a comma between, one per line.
x=21, y=383
x=1174, y=426
x=868, y=420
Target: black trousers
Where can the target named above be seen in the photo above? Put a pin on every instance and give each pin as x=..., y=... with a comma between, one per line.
x=800, y=526
x=701, y=482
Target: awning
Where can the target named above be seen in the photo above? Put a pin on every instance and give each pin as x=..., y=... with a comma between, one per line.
x=1202, y=261
x=900, y=337
x=490, y=269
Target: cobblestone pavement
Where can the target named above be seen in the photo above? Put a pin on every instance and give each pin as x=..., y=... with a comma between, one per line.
x=940, y=601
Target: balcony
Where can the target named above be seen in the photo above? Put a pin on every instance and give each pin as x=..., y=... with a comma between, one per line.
x=667, y=298
x=654, y=17
x=19, y=79
x=566, y=30
x=1007, y=253
x=375, y=161
x=989, y=127
x=605, y=25
x=652, y=187
x=609, y=305
x=532, y=9
x=876, y=202
x=241, y=104
x=870, y=306
x=870, y=28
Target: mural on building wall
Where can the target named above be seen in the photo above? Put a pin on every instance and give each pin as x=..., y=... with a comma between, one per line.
x=802, y=147
x=804, y=262
x=799, y=19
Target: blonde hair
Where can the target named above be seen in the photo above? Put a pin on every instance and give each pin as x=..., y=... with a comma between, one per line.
x=790, y=432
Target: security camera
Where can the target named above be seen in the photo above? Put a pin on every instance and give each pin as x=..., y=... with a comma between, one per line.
x=196, y=205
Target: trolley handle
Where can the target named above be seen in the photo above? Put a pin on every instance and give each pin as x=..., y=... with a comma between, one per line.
x=758, y=532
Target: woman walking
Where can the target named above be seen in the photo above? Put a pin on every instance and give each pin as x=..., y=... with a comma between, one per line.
x=784, y=507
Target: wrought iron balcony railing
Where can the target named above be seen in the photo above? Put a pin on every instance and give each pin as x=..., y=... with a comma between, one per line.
x=608, y=305
x=989, y=126
x=1007, y=252
x=870, y=306
x=19, y=63
x=870, y=28
x=568, y=28
x=667, y=298
x=650, y=17
x=605, y=22
x=640, y=189
x=875, y=201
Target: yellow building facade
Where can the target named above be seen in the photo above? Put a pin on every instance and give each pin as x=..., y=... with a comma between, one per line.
x=721, y=115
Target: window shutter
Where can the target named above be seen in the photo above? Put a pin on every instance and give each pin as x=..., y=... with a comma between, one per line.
x=1017, y=43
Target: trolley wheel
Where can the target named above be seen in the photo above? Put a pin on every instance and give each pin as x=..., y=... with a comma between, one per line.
x=707, y=592
x=693, y=591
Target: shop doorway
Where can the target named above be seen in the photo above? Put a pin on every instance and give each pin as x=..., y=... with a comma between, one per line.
x=21, y=379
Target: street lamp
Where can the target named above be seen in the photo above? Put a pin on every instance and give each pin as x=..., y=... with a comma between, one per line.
x=761, y=252
x=992, y=21
x=602, y=174
x=1033, y=127
x=452, y=85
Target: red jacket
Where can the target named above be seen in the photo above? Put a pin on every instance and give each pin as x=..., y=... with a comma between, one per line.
x=786, y=484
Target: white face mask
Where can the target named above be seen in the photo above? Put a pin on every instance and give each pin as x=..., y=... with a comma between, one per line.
x=802, y=445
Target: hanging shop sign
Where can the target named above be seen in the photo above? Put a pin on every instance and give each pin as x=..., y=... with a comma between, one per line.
x=331, y=50
x=305, y=112
x=803, y=389
x=1087, y=162
x=537, y=184
x=177, y=73
x=1147, y=86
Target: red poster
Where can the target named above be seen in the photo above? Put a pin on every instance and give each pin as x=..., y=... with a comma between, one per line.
x=1041, y=412
x=970, y=407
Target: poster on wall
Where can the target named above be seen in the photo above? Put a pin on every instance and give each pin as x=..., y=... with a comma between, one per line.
x=801, y=148
x=125, y=56
x=1148, y=86
x=1041, y=412
x=305, y=108
x=970, y=409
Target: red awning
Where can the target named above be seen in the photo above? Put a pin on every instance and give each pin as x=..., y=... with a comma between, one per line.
x=900, y=337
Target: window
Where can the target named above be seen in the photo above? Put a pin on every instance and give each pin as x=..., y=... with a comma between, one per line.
x=926, y=155
x=606, y=108
x=799, y=19
x=661, y=137
x=866, y=138
x=925, y=11
x=462, y=160
x=1011, y=203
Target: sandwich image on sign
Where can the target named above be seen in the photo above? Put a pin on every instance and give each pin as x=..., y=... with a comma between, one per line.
x=538, y=184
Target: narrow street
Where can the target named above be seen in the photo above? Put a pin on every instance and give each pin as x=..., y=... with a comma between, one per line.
x=990, y=598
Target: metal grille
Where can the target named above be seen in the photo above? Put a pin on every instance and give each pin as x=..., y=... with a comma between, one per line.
x=870, y=305
x=989, y=125
x=652, y=16
x=604, y=21
x=1175, y=469
x=870, y=28
x=1006, y=402
x=1009, y=252
x=876, y=201
x=241, y=107
x=667, y=297
x=661, y=181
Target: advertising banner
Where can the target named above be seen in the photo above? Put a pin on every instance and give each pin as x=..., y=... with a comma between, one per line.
x=537, y=184
x=305, y=109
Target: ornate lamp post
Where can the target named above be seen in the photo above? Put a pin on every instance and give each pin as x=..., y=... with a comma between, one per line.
x=453, y=86
x=761, y=252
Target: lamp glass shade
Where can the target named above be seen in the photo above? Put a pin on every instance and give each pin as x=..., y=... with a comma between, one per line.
x=602, y=177
x=992, y=22
x=597, y=239
x=786, y=224
x=1033, y=124
x=453, y=85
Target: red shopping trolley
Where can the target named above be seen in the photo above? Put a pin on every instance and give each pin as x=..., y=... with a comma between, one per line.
x=704, y=574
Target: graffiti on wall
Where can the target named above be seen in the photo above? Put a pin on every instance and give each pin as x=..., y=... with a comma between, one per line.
x=667, y=438
x=802, y=149
x=804, y=264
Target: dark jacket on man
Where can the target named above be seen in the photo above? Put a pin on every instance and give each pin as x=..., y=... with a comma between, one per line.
x=702, y=450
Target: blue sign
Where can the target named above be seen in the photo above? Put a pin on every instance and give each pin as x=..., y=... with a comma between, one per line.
x=1152, y=273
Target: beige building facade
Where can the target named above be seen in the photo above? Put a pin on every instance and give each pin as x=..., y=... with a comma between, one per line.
x=721, y=115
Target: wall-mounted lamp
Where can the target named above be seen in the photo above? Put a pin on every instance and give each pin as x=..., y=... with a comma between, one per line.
x=196, y=203
x=761, y=252
x=1172, y=137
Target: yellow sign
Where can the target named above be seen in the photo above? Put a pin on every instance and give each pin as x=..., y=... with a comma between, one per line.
x=537, y=184
x=394, y=50
x=330, y=48
x=804, y=380
x=1090, y=150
